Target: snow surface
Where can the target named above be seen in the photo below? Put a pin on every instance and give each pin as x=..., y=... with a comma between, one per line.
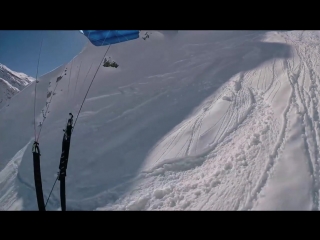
x=190, y=120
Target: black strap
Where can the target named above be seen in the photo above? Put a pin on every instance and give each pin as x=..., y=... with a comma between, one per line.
x=37, y=176
x=64, y=161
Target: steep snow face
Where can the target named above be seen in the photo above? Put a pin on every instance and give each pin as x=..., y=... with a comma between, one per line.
x=210, y=120
x=11, y=83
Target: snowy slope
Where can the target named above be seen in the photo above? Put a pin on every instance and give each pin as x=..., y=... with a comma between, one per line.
x=11, y=83
x=209, y=120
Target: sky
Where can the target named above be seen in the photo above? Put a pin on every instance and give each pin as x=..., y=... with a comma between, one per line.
x=19, y=49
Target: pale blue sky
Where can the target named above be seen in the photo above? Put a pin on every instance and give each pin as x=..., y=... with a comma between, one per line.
x=19, y=49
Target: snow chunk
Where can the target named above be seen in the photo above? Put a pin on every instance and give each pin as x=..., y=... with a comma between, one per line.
x=160, y=193
x=138, y=204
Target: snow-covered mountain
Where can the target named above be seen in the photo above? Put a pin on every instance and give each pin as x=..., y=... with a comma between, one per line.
x=196, y=120
x=11, y=83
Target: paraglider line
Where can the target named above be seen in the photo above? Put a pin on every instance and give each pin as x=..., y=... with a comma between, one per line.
x=70, y=75
x=89, y=88
x=51, y=190
x=35, y=92
x=85, y=77
x=45, y=114
x=77, y=79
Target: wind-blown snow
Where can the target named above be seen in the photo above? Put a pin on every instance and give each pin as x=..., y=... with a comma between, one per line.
x=190, y=120
x=8, y=174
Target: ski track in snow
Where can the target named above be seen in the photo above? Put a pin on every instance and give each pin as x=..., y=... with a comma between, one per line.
x=248, y=197
x=252, y=144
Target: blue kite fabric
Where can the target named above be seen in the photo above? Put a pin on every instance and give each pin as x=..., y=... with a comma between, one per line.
x=107, y=37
